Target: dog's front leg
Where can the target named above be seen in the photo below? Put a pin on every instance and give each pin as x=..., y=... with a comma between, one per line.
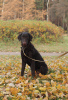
x=33, y=68
x=23, y=68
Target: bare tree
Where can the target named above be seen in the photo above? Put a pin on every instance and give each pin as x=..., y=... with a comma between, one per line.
x=3, y=9
x=47, y=9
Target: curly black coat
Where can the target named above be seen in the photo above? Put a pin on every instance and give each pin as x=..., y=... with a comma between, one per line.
x=31, y=52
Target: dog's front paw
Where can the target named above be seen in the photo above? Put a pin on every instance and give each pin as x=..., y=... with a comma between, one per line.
x=22, y=74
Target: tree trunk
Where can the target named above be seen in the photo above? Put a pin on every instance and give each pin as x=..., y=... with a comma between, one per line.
x=63, y=19
x=15, y=16
x=47, y=9
x=67, y=26
x=3, y=8
x=23, y=10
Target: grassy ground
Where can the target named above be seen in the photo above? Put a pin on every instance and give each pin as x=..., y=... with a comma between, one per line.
x=52, y=86
x=14, y=46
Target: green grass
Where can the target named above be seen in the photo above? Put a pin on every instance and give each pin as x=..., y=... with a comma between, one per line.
x=14, y=46
x=54, y=46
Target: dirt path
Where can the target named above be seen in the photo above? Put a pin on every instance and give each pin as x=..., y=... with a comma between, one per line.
x=43, y=54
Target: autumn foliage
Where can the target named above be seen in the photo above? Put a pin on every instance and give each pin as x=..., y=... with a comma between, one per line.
x=55, y=11
x=20, y=9
x=40, y=30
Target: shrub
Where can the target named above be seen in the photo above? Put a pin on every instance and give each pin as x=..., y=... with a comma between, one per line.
x=42, y=30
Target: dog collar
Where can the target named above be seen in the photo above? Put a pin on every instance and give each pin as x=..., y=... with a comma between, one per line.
x=22, y=49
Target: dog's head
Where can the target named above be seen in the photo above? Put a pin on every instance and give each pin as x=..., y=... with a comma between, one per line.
x=25, y=38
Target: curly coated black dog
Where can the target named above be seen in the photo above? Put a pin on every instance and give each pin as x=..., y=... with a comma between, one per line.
x=31, y=52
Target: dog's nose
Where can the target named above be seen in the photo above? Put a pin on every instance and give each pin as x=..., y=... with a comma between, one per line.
x=24, y=43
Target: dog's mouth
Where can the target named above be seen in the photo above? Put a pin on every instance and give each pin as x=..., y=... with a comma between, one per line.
x=24, y=44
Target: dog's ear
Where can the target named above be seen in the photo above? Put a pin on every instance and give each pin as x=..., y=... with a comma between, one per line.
x=30, y=37
x=19, y=36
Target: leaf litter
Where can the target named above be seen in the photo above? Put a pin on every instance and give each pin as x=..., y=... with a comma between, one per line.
x=53, y=86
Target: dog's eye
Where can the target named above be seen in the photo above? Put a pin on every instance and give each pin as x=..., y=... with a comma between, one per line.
x=24, y=37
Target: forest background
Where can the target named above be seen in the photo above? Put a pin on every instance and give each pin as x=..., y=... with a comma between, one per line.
x=55, y=11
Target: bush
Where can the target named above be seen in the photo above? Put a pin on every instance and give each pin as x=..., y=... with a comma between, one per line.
x=42, y=30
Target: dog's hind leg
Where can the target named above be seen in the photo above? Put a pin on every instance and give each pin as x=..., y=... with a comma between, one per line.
x=44, y=69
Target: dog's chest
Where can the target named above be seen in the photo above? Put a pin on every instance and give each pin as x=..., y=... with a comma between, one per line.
x=27, y=57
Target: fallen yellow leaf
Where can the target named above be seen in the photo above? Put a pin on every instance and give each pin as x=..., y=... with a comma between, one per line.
x=42, y=88
x=1, y=94
x=17, y=81
x=14, y=91
x=36, y=91
x=47, y=84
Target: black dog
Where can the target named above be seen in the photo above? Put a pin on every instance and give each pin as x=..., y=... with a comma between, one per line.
x=31, y=52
